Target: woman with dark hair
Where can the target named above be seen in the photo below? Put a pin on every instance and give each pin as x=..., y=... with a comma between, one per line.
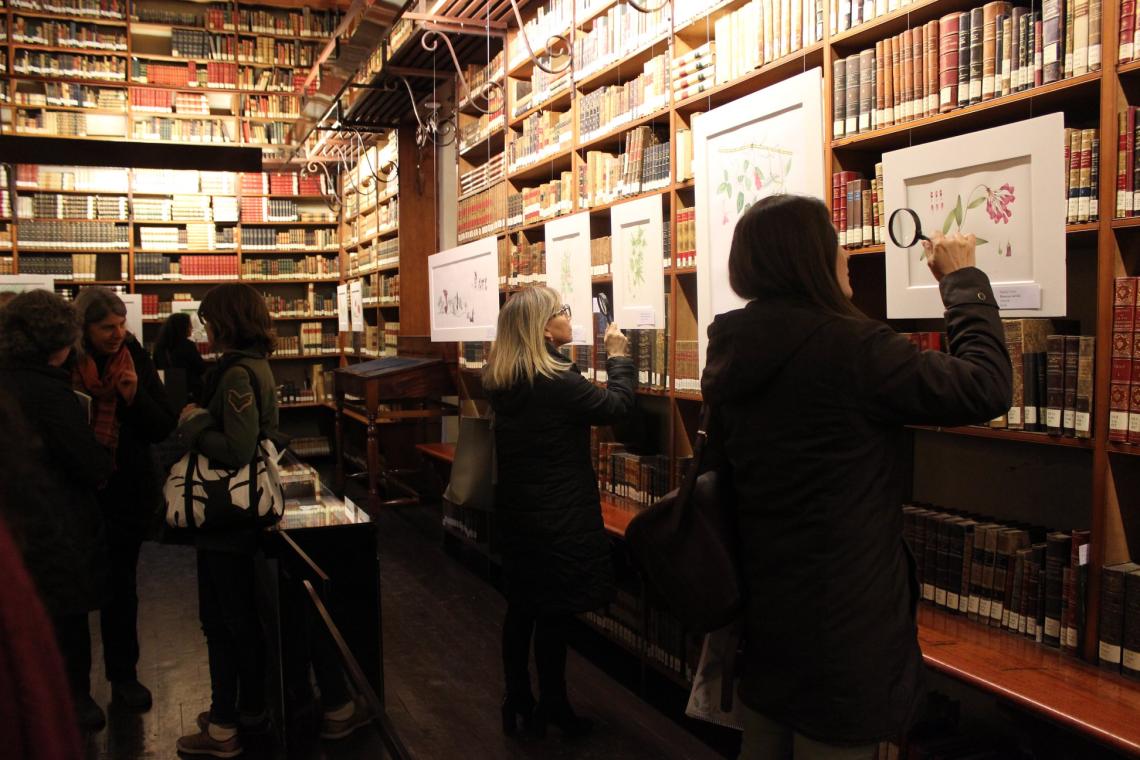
x=60, y=529
x=556, y=554
x=809, y=401
x=175, y=351
x=129, y=413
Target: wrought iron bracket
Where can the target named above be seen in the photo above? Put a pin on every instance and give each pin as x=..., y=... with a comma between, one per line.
x=557, y=45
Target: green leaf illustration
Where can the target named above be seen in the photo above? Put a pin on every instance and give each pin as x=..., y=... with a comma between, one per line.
x=739, y=202
x=745, y=166
x=958, y=211
x=980, y=241
x=946, y=224
x=788, y=167
x=976, y=202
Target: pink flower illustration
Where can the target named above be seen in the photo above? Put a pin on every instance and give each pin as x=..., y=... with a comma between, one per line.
x=998, y=203
x=756, y=178
x=1008, y=250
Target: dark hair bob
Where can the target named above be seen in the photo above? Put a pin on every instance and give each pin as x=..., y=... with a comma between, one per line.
x=36, y=324
x=237, y=316
x=786, y=246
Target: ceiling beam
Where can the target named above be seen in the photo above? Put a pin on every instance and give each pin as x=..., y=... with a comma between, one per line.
x=133, y=154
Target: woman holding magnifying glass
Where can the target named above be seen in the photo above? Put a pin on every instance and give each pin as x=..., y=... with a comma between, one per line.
x=810, y=400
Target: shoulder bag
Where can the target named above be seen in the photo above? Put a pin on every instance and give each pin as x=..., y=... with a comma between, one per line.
x=686, y=546
x=202, y=496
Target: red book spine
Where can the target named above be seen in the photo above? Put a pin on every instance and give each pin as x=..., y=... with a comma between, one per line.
x=948, y=63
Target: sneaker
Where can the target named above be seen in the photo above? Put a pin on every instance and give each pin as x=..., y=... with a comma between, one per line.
x=131, y=695
x=88, y=714
x=248, y=725
x=202, y=744
x=339, y=729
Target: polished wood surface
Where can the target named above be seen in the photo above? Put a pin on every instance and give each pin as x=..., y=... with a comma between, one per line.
x=444, y=452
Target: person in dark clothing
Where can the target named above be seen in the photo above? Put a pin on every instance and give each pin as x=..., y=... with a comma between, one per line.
x=810, y=399
x=129, y=413
x=556, y=554
x=174, y=351
x=60, y=528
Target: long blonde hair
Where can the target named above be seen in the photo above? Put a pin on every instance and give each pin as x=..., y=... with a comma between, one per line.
x=519, y=351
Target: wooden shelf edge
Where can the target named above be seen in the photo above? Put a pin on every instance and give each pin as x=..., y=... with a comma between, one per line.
x=1019, y=436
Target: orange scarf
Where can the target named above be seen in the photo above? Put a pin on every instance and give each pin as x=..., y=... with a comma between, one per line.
x=104, y=393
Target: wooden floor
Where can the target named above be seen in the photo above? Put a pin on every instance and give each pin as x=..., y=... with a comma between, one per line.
x=441, y=639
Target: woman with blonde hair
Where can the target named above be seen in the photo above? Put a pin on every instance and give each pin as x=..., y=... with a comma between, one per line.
x=556, y=555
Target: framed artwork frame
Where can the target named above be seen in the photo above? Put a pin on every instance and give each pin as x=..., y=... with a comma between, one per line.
x=769, y=142
x=1007, y=186
x=463, y=292
x=637, y=238
x=21, y=283
x=568, y=271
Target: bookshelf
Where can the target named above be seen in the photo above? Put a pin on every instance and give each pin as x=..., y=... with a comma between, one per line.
x=1104, y=474
x=176, y=71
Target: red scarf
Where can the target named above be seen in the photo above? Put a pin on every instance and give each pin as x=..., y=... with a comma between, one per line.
x=104, y=392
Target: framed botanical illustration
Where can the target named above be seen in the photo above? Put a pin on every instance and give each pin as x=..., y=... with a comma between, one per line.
x=765, y=143
x=133, y=302
x=637, y=239
x=1006, y=186
x=568, y=270
x=463, y=288
x=356, y=306
x=190, y=309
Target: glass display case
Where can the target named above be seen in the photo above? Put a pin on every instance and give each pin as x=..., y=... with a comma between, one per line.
x=310, y=503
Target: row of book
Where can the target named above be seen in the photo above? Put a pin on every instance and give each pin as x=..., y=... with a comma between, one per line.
x=1124, y=388
x=607, y=108
x=640, y=479
x=686, y=237
x=78, y=234
x=553, y=18
x=548, y=200
x=476, y=130
x=382, y=255
x=964, y=58
x=313, y=339
x=304, y=22
x=760, y=32
x=1082, y=180
x=73, y=95
x=166, y=101
x=380, y=287
x=39, y=31
x=382, y=220
x=617, y=33
x=82, y=178
x=473, y=355
x=857, y=207
x=112, y=9
x=322, y=344
x=198, y=43
x=642, y=166
x=1021, y=578
x=1052, y=379
x=543, y=134
x=273, y=52
x=1128, y=163
x=282, y=183
x=483, y=213
x=283, y=268
x=184, y=130
x=7, y=265
x=215, y=17
x=271, y=106
x=157, y=266
x=67, y=124
x=376, y=340
x=471, y=524
x=260, y=238
x=267, y=133
x=485, y=175
x=479, y=76
x=525, y=261
x=541, y=87
x=310, y=446
x=40, y=64
x=601, y=256
x=785, y=25
x=77, y=266
x=1118, y=644
x=314, y=304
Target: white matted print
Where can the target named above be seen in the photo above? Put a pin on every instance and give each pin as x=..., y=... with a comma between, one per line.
x=190, y=309
x=463, y=290
x=639, y=277
x=765, y=143
x=1006, y=186
x=568, y=271
x=133, y=302
x=22, y=283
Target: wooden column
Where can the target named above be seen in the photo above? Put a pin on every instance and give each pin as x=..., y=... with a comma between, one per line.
x=417, y=234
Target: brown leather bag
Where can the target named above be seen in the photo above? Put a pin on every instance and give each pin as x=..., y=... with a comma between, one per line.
x=686, y=546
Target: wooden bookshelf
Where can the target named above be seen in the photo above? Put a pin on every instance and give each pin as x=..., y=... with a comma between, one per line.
x=1018, y=436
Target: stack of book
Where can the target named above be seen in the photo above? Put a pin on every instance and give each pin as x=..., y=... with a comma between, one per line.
x=1020, y=578
x=964, y=58
x=643, y=166
x=1119, y=630
x=482, y=177
x=1124, y=389
x=622, y=30
x=605, y=109
x=856, y=208
x=543, y=134
x=694, y=72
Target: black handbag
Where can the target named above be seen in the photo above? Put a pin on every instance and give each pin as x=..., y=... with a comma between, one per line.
x=472, y=482
x=686, y=546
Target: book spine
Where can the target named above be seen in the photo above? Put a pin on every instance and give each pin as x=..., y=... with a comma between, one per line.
x=948, y=27
x=1055, y=384
x=1072, y=363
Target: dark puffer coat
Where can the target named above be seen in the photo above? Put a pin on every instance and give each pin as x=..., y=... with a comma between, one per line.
x=58, y=522
x=809, y=412
x=556, y=554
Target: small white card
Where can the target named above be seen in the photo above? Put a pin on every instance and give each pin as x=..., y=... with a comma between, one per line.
x=1018, y=296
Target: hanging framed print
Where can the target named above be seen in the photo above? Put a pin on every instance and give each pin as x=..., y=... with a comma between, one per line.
x=21, y=283
x=356, y=306
x=1006, y=186
x=133, y=302
x=463, y=292
x=568, y=271
x=765, y=143
x=636, y=234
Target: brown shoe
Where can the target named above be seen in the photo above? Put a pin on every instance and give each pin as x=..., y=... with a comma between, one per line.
x=247, y=726
x=202, y=744
x=338, y=729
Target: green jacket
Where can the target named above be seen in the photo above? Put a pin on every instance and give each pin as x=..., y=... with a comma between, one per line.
x=227, y=429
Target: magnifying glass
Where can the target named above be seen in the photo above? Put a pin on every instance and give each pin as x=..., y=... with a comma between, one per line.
x=603, y=302
x=904, y=228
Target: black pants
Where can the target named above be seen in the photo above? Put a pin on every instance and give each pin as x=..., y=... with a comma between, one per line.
x=74, y=640
x=118, y=619
x=550, y=633
x=235, y=642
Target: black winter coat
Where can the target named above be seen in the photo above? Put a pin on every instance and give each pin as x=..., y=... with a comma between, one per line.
x=809, y=412
x=556, y=554
x=131, y=498
x=58, y=522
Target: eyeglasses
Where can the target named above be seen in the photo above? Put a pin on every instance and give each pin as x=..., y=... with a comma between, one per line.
x=563, y=312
